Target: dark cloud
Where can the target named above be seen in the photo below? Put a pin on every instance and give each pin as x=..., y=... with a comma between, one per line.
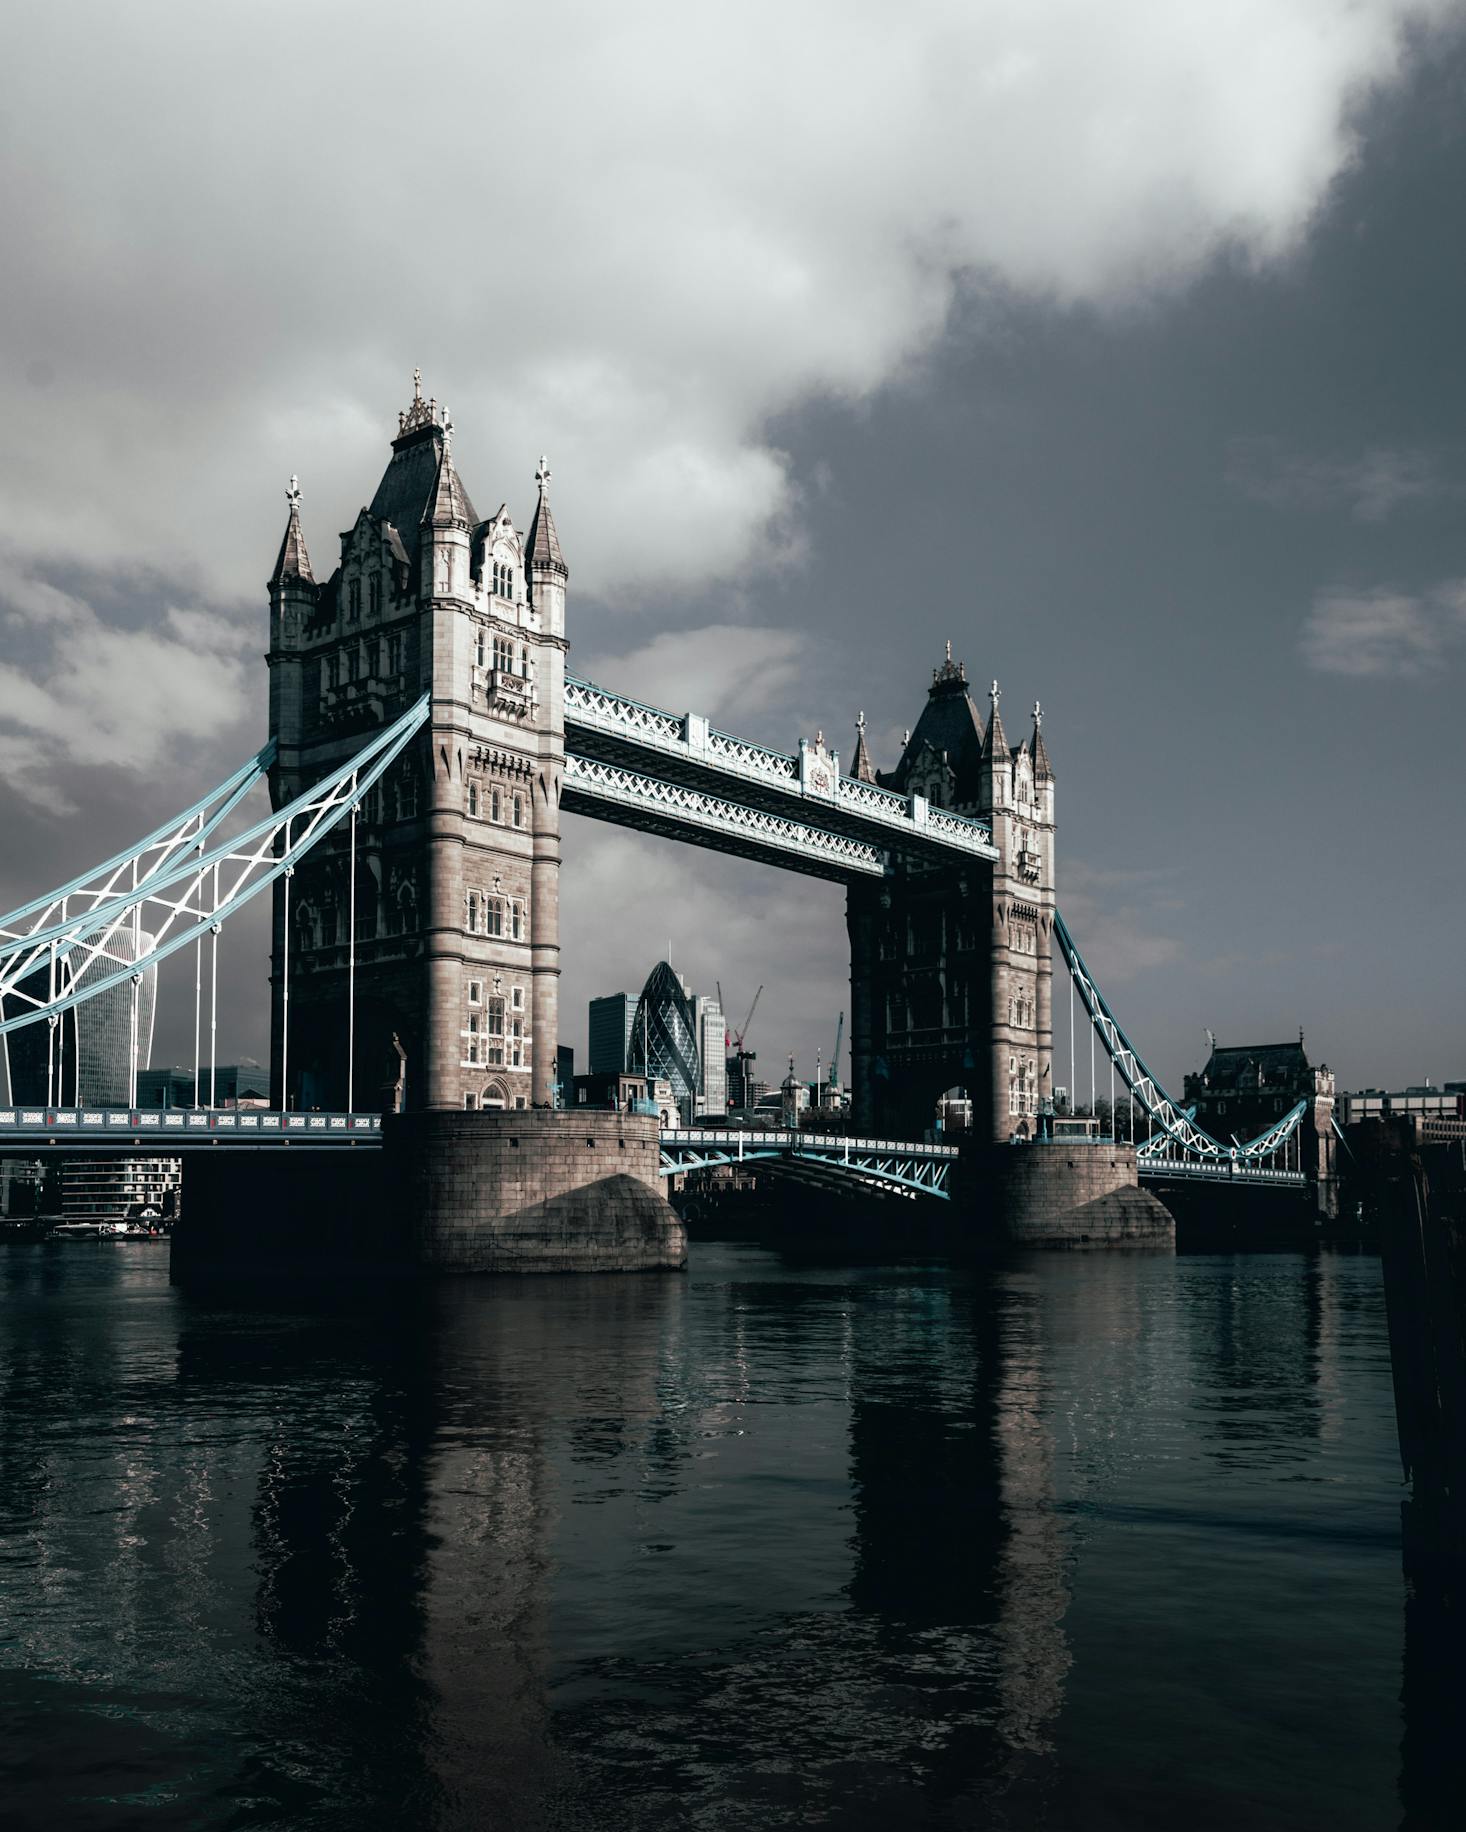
x=1132, y=367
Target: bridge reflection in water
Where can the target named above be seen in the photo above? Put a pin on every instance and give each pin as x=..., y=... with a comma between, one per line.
x=1111, y=1542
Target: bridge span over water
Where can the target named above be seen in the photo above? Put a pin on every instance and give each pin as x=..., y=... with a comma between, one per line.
x=424, y=738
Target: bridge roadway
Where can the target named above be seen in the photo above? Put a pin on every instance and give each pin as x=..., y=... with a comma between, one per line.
x=677, y=775
x=896, y=1164
x=170, y=1131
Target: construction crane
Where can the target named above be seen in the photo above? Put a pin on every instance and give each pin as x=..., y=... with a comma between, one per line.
x=742, y=1032
x=835, y=1053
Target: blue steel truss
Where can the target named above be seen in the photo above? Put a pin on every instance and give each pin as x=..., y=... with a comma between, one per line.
x=921, y=1170
x=175, y=902
x=1177, y=1140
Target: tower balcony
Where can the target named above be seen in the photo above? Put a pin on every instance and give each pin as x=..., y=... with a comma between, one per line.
x=509, y=692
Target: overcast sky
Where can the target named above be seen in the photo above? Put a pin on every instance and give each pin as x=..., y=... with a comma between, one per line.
x=1120, y=344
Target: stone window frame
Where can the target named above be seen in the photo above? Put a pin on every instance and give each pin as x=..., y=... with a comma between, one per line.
x=494, y=1028
x=473, y=800
x=517, y=810
x=353, y=600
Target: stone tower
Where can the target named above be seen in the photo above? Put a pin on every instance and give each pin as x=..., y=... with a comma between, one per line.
x=951, y=979
x=456, y=882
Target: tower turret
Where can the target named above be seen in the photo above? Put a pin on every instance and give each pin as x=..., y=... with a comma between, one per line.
x=995, y=770
x=447, y=525
x=294, y=595
x=545, y=563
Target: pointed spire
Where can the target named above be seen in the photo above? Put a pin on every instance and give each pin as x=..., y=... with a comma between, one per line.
x=544, y=542
x=995, y=742
x=294, y=561
x=448, y=506
x=1042, y=768
x=861, y=767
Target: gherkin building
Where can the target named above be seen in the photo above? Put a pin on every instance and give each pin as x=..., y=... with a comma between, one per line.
x=664, y=1034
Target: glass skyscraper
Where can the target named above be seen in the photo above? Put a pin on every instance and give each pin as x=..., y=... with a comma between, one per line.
x=680, y=1039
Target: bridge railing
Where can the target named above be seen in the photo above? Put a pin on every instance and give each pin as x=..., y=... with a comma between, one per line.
x=690, y=737
x=173, y=1126
x=829, y=1143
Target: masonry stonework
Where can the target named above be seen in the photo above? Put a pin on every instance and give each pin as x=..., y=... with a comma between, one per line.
x=535, y=1192
x=452, y=884
x=950, y=969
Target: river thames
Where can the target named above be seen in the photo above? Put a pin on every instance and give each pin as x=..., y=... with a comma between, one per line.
x=1097, y=1541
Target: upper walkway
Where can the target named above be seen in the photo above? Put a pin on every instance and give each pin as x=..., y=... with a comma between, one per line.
x=676, y=774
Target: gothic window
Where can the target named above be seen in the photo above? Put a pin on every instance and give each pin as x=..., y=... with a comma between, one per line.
x=479, y=647
x=394, y=655
x=494, y=1028
x=495, y=1096
x=496, y=811
x=473, y=800
x=406, y=907
x=516, y=924
x=518, y=810
x=407, y=795
x=473, y=1036
x=494, y=908
x=524, y=661
x=333, y=671
x=503, y=655
x=353, y=601
x=472, y=917
x=305, y=927
x=475, y=992
x=374, y=595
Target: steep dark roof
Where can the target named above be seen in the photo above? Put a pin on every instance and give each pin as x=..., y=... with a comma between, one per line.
x=1041, y=766
x=294, y=562
x=949, y=723
x=1275, y=1063
x=408, y=485
x=861, y=766
x=449, y=506
x=542, y=549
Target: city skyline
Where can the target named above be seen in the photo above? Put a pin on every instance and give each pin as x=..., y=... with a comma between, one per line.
x=1097, y=441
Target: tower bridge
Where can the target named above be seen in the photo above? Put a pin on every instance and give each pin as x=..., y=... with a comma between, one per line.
x=424, y=739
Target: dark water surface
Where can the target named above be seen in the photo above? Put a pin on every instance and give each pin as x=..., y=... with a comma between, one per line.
x=1088, y=1540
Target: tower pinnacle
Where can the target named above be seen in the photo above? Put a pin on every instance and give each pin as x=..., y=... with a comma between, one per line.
x=294, y=561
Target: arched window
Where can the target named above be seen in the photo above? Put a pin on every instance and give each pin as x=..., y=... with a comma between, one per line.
x=406, y=907
x=305, y=927
x=472, y=916
x=479, y=648
x=518, y=810
x=473, y=800
x=495, y=1096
